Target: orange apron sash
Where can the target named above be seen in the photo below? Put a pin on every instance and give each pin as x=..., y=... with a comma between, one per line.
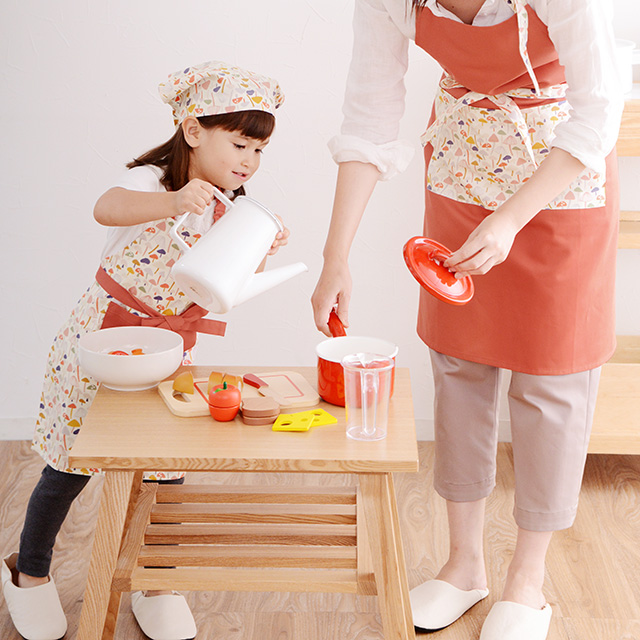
x=188, y=324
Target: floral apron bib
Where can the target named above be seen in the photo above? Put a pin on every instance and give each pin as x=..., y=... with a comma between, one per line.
x=549, y=308
x=143, y=269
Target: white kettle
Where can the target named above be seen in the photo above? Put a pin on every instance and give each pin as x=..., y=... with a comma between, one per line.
x=219, y=271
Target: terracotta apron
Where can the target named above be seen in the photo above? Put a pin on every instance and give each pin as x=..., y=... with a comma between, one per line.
x=139, y=277
x=549, y=308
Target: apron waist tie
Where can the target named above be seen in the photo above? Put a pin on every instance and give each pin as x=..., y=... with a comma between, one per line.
x=188, y=323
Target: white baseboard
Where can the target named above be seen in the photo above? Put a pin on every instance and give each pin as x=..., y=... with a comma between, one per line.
x=16, y=428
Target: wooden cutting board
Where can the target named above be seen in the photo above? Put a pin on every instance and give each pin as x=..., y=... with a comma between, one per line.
x=290, y=385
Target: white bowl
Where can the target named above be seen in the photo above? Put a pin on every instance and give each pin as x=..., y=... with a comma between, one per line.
x=162, y=355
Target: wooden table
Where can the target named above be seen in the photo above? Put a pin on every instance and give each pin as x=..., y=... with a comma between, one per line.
x=125, y=433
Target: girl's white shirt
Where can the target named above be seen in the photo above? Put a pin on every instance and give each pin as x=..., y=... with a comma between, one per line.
x=581, y=31
x=147, y=178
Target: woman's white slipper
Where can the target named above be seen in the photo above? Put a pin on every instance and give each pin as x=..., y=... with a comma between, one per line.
x=514, y=621
x=36, y=612
x=436, y=604
x=165, y=617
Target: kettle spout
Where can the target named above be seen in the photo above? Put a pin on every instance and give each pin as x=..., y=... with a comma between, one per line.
x=265, y=280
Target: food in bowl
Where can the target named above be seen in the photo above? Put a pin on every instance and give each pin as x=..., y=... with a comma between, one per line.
x=161, y=353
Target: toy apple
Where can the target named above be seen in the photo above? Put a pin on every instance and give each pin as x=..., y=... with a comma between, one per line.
x=224, y=402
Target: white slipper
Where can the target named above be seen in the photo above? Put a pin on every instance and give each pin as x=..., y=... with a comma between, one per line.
x=514, y=621
x=436, y=604
x=165, y=617
x=36, y=612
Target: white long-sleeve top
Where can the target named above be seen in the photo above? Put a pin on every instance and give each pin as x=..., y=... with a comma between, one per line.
x=581, y=31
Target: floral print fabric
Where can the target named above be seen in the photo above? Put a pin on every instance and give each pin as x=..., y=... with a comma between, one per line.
x=482, y=156
x=212, y=88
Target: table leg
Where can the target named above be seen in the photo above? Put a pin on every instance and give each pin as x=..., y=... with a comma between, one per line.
x=99, y=610
x=387, y=555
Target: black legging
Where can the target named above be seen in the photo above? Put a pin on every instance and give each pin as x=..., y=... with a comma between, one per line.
x=48, y=507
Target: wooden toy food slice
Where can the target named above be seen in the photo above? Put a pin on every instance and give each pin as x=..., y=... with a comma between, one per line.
x=184, y=383
x=259, y=407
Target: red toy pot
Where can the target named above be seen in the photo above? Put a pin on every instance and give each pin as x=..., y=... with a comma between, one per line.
x=330, y=353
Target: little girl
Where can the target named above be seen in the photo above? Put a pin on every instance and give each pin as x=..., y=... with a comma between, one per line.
x=224, y=117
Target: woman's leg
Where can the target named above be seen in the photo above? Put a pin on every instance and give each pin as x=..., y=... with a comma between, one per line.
x=525, y=576
x=465, y=567
x=551, y=419
x=466, y=436
x=48, y=507
x=466, y=429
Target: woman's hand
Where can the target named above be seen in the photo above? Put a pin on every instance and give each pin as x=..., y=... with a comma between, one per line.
x=194, y=197
x=333, y=290
x=488, y=244
x=282, y=238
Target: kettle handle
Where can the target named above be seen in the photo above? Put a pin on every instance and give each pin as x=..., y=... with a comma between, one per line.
x=180, y=221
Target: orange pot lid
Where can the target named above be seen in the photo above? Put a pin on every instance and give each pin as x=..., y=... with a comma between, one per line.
x=424, y=257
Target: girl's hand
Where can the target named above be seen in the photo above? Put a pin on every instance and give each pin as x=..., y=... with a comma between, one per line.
x=488, y=244
x=333, y=290
x=194, y=197
x=282, y=238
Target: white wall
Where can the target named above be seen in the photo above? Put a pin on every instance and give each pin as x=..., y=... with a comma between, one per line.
x=79, y=100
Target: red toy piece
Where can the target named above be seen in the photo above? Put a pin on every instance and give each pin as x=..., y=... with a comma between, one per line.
x=224, y=402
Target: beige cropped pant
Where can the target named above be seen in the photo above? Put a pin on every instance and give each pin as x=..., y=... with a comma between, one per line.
x=551, y=419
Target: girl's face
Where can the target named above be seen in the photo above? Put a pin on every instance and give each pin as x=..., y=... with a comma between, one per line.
x=226, y=159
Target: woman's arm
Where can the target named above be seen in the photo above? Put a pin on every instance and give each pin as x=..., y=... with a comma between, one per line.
x=355, y=184
x=490, y=242
x=583, y=36
x=120, y=207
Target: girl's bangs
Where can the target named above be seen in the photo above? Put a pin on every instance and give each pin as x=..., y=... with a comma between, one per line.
x=252, y=124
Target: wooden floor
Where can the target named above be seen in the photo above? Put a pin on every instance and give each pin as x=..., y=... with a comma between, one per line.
x=593, y=577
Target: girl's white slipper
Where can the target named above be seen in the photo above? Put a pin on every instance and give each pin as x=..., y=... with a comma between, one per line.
x=36, y=611
x=436, y=604
x=514, y=621
x=165, y=617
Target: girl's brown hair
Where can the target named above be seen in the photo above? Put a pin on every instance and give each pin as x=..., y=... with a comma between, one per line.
x=173, y=155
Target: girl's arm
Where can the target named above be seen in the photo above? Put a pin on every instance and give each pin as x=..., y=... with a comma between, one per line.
x=120, y=207
x=490, y=242
x=356, y=181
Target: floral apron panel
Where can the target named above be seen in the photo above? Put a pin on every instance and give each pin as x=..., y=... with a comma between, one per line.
x=548, y=309
x=144, y=269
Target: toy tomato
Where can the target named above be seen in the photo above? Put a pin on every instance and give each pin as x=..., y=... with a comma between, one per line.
x=224, y=402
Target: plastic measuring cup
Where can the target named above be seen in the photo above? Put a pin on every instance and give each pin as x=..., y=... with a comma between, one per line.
x=367, y=382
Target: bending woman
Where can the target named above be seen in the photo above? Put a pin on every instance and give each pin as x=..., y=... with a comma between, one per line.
x=521, y=182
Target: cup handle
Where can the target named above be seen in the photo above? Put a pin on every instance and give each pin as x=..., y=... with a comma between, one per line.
x=369, y=390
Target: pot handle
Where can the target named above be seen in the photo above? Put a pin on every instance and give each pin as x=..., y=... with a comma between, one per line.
x=180, y=221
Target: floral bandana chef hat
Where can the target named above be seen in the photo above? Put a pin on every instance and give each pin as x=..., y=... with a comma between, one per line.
x=212, y=88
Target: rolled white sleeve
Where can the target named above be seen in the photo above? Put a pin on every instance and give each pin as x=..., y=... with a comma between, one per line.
x=375, y=94
x=582, y=33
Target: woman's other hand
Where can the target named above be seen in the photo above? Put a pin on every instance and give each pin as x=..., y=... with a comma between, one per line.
x=488, y=244
x=194, y=197
x=333, y=290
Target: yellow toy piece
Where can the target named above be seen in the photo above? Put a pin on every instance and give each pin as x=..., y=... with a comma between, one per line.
x=184, y=383
x=303, y=421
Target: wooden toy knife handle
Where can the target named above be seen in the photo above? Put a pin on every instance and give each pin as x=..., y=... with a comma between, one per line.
x=263, y=387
